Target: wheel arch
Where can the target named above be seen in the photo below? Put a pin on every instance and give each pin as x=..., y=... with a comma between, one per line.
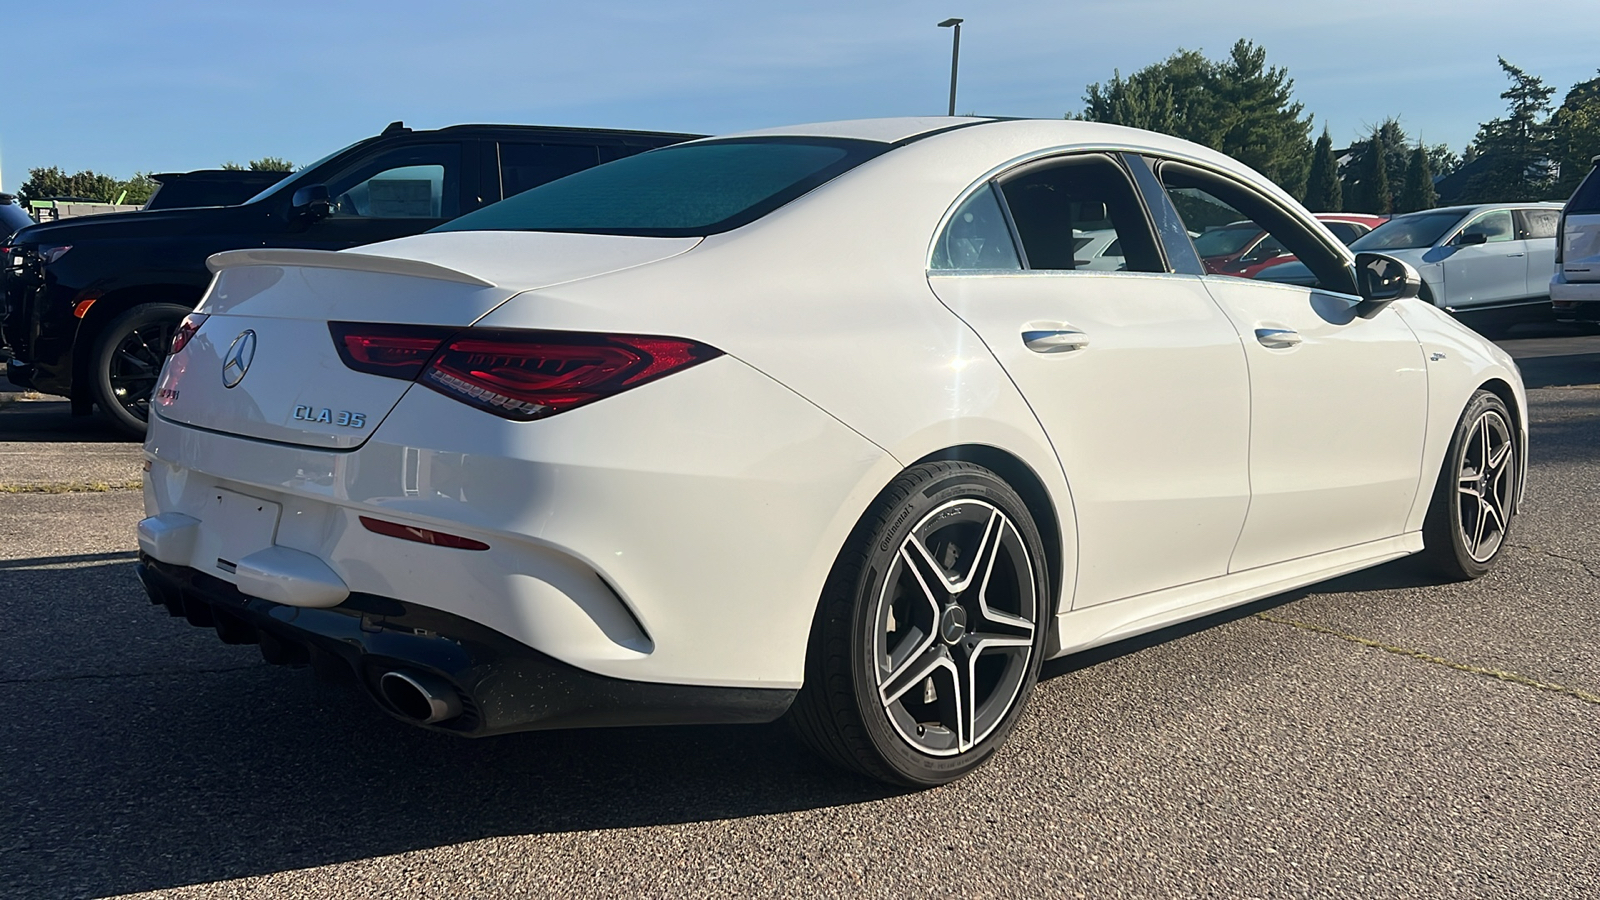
x=1032, y=489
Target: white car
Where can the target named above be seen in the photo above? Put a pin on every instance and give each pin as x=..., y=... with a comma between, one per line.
x=824, y=420
x=1575, y=287
x=1487, y=265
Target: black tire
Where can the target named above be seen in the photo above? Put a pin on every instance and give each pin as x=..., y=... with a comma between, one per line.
x=881, y=695
x=127, y=361
x=1469, y=518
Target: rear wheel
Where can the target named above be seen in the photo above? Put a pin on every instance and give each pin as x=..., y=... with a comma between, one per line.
x=931, y=629
x=1469, y=519
x=127, y=361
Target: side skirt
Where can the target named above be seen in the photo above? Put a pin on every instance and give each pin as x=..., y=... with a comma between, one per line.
x=1105, y=623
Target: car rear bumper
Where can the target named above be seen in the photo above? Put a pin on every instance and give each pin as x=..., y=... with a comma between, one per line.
x=1575, y=300
x=503, y=685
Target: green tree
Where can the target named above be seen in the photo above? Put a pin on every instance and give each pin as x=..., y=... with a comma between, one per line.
x=1358, y=171
x=1237, y=105
x=1323, y=191
x=1417, y=191
x=264, y=164
x=1518, y=149
x=137, y=189
x=1369, y=190
x=1575, y=128
x=53, y=182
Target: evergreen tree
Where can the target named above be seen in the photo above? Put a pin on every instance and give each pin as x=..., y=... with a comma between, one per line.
x=1396, y=145
x=1518, y=148
x=1374, y=194
x=1237, y=105
x=1576, y=132
x=1323, y=191
x=1418, y=193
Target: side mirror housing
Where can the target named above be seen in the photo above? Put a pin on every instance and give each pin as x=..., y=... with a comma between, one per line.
x=1383, y=280
x=311, y=203
x=1471, y=238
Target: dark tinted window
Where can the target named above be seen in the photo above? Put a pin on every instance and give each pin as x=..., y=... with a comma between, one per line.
x=524, y=166
x=1586, y=199
x=1346, y=231
x=681, y=191
x=1539, y=223
x=1409, y=232
x=1224, y=241
x=1077, y=204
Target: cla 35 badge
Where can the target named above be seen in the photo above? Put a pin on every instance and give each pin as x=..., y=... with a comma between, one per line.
x=240, y=354
x=326, y=416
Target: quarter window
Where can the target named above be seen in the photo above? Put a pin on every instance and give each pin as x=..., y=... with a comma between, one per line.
x=1540, y=223
x=1082, y=214
x=977, y=236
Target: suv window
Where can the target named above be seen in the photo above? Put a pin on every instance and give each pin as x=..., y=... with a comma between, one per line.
x=977, y=236
x=1495, y=225
x=1070, y=214
x=1208, y=201
x=1586, y=199
x=1539, y=223
x=524, y=166
x=421, y=182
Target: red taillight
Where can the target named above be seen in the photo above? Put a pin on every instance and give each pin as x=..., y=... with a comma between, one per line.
x=394, y=351
x=186, y=329
x=421, y=535
x=533, y=374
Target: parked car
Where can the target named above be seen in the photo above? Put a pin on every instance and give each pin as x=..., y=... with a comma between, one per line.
x=850, y=436
x=1242, y=249
x=90, y=305
x=209, y=187
x=1575, y=287
x=1487, y=265
x=12, y=216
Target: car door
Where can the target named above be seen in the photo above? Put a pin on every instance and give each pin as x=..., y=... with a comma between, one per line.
x=1488, y=273
x=1136, y=375
x=1338, y=403
x=1538, y=231
x=392, y=193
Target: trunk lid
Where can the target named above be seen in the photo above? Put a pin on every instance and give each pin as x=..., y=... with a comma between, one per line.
x=264, y=364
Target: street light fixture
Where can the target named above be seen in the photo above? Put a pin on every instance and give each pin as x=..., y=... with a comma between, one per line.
x=955, y=58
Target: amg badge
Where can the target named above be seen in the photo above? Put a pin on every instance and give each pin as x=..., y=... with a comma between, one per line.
x=327, y=416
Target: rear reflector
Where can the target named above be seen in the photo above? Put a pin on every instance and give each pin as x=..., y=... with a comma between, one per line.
x=421, y=535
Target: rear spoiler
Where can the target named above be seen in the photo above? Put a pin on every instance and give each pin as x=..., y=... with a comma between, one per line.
x=329, y=259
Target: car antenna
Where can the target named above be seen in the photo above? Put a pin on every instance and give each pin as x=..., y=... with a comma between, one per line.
x=395, y=128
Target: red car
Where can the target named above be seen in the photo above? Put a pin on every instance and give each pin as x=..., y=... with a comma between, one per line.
x=1243, y=249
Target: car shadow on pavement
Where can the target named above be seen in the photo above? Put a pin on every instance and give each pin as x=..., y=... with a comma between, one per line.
x=38, y=421
x=148, y=771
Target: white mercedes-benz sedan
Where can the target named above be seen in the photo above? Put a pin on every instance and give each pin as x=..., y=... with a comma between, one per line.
x=828, y=421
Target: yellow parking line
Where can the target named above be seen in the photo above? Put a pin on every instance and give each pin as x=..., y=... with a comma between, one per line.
x=1501, y=674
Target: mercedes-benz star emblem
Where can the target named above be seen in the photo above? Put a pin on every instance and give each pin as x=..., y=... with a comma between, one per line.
x=237, y=362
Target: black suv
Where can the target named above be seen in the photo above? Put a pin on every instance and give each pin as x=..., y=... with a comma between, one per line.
x=91, y=304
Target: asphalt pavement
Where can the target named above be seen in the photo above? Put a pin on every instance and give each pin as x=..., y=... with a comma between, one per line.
x=1372, y=736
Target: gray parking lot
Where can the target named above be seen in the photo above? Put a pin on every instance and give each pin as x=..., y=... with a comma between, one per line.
x=1372, y=736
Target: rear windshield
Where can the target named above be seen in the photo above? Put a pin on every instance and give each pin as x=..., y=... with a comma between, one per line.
x=1408, y=232
x=1586, y=199
x=687, y=190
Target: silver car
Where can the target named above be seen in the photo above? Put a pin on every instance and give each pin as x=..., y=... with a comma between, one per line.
x=1575, y=287
x=1488, y=265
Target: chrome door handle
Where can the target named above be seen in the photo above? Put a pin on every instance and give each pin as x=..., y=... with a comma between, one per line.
x=1278, y=337
x=1513, y=255
x=1054, y=341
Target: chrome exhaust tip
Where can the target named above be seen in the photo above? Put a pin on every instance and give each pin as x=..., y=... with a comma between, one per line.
x=423, y=698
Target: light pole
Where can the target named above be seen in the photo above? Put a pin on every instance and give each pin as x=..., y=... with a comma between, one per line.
x=955, y=58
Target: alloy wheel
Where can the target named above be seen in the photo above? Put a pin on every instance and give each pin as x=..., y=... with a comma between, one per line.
x=1486, y=485
x=135, y=365
x=954, y=632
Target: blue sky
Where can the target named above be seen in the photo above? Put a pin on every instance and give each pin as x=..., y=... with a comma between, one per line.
x=163, y=85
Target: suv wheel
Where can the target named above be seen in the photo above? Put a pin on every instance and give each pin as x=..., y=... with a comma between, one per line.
x=127, y=361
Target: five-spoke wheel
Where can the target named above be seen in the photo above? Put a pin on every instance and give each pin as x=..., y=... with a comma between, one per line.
x=931, y=629
x=1470, y=517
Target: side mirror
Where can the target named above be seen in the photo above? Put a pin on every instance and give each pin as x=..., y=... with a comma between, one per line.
x=311, y=203
x=1383, y=280
x=1469, y=238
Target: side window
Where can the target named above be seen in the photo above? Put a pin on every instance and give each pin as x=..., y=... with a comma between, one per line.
x=1346, y=232
x=408, y=183
x=1226, y=214
x=1539, y=223
x=1081, y=213
x=1494, y=225
x=977, y=236
x=524, y=166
